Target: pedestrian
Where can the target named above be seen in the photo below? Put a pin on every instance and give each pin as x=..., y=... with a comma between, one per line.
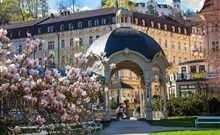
x=119, y=112
x=138, y=110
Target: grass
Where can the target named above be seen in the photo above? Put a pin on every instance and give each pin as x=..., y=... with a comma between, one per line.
x=182, y=121
x=188, y=132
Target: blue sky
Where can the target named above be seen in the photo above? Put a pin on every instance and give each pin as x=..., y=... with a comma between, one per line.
x=94, y=4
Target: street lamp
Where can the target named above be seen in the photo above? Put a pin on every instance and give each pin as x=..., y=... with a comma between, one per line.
x=58, y=37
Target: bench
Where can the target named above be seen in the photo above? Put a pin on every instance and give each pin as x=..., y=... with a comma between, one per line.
x=207, y=120
x=92, y=125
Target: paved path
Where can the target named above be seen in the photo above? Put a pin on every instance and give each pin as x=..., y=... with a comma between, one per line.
x=134, y=127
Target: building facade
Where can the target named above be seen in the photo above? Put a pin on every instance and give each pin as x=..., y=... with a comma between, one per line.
x=160, y=9
x=67, y=34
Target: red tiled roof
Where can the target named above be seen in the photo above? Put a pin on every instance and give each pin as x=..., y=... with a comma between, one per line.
x=23, y=24
x=80, y=15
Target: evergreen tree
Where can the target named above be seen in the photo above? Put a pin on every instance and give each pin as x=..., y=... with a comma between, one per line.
x=150, y=9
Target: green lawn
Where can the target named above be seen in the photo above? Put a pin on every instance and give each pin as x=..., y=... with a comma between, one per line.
x=183, y=121
x=189, y=132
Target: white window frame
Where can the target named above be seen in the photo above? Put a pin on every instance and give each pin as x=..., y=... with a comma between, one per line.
x=80, y=25
x=50, y=29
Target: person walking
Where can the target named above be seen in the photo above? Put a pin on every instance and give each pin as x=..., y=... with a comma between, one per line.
x=119, y=112
x=138, y=110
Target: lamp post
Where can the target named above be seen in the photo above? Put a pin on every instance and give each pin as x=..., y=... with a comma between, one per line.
x=58, y=49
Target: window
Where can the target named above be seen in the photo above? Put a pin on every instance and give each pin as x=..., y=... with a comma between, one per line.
x=80, y=25
x=39, y=30
x=174, y=61
x=96, y=22
x=90, y=23
x=113, y=20
x=20, y=49
x=61, y=27
x=173, y=28
x=97, y=36
x=193, y=69
x=165, y=43
x=19, y=33
x=70, y=26
x=201, y=68
x=90, y=40
x=173, y=45
x=193, y=29
x=40, y=48
x=194, y=44
x=185, y=49
x=103, y=21
x=159, y=41
x=40, y=61
x=71, y=42
x=179, y=29
x=11, y=34
x=51, y=45
x=50, y=29
x=152, y=24
x=159, y=27
x=179, y=46
x=183, y=70
x=80, y=41
x=214, y=45
x=165, y=26
x=62, y=43
x=187, y=90
x=179, y=60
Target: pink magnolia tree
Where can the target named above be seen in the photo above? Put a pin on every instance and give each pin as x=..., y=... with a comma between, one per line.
x=47, y=99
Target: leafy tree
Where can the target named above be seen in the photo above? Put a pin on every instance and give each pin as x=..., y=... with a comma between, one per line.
x=179, y=15
x=120, y=4
x=150, y=9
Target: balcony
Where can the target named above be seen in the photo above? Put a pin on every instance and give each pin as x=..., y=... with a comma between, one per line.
x=127, y=79
x=191, y=76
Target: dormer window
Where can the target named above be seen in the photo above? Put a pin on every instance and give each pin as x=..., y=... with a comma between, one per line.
x=152, y=24
x=103, y=21
x=39, y=30
x=179, y=29
x=113, y=20
x=19, y=33
x=143, y=22
x=185, y=32
x=173, y=28
x=70, y=26
x=90, y=23
x=61, y=27
x=11, y=34
x=159, y=26
x=165, y=27
x=96, y=22
x=50, y=29
x=136, y=21
x=193, y=29
x=79, y=25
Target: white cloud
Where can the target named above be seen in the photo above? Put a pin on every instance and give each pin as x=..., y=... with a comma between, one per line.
x=194, y=4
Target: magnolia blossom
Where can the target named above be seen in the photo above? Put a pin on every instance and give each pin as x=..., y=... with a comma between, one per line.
x=17, y=129
x=40, y=120
x=112, y=66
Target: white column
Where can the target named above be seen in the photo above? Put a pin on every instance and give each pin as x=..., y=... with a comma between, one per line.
x=148, y=96
x=165, y=100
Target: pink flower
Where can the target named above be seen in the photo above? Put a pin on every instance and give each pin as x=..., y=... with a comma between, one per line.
x=23, y=71
x=63, y=117
x=17, y=129
x=43, y=103
x=51, y=126
x=33, y=100
x=55, y=104
x=40, y=120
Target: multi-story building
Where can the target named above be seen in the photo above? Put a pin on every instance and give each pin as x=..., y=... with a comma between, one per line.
x=160, y=9
x=67, y=34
